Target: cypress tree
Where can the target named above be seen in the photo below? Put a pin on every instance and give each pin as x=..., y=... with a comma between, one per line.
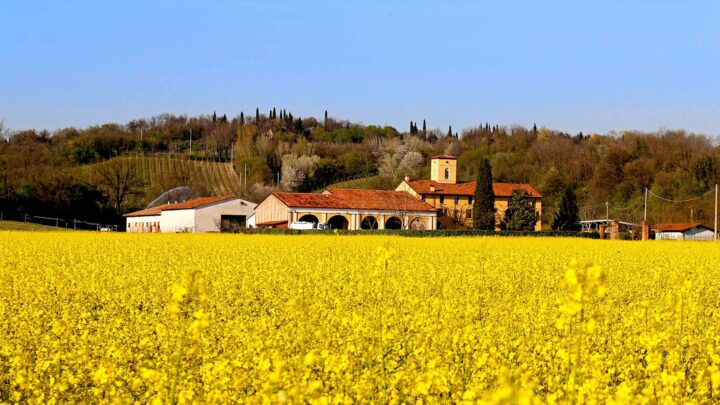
x=450, y=134
x=424, y=127
x=257, y=115
x=568, y=216
x=520, y=214
x=214, y=117
x=534, y=129
x=242, y=118
x=274, y=114
x=325, y=121
x=224, y=118
x=484, y=203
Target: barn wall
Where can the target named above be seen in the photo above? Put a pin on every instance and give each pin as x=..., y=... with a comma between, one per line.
x=142, y=224
x=271, y=209
x=177, y=221
x=207, y=218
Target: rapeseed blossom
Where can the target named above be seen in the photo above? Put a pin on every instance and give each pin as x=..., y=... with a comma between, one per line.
x=136, y=318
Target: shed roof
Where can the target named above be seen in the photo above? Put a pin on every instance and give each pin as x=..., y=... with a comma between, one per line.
x=356, y=199
x=444, y=156
x=468, y=188
x=190, y=204
x=679, y=227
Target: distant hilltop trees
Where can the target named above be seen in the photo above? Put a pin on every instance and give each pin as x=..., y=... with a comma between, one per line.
x=41, y=172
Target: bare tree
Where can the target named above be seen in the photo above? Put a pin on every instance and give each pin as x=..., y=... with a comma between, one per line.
x=4, y=131
x=120, y=180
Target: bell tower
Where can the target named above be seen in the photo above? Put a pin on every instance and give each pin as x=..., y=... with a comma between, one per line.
x=443, y=169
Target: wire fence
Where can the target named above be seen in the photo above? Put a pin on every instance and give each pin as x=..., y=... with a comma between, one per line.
x=60, y=223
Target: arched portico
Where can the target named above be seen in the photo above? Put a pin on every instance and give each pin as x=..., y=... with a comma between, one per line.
x=393, y=223
x=369, y=222
x=338, y=222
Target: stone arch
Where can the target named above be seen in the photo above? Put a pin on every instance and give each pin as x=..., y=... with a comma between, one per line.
x=309, y=218
x=369, y=222
x=338, y=222
x=417, y=224
x=393, y=223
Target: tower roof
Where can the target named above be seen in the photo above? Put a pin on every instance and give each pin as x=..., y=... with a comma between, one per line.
x=443, y=156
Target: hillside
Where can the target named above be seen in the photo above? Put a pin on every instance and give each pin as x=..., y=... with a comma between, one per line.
x=161, y=172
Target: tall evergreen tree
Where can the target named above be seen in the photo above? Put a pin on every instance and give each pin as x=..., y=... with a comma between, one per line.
x=274, y=114
x=520, y=214
x=450, y=133
x=257, y=115
x=214, y=117
x=242, y=118
x=223, y=119
x=568, y=216
x=484, y=203
x=424, y=127
x=534, y=129
x=325, y=121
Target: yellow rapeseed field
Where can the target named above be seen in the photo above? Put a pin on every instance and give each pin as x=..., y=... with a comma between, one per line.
x=125, y=318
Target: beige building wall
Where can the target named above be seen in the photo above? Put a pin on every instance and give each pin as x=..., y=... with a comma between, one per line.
x=272, y=209
x=437, y=170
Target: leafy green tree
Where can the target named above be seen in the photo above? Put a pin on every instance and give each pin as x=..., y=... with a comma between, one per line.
x=706, y=171
x=484, y=203
x=568, y=216
x=520, y=214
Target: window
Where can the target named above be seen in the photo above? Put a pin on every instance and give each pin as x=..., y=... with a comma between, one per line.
x=457, y=199
x=442, y=199
x=468, y=214
x=470, y=200
x=447, y=173
x=423, y=197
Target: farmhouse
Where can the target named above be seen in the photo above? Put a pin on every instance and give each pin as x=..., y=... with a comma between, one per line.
x=207, y=214
x=454, y=200
x=690, y=231
x=347, y=209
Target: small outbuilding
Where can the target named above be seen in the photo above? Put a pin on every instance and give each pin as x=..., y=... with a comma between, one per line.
x=689, y=231
x=207, y=214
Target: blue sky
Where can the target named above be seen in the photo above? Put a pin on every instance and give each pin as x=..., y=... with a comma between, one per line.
x=565, y=65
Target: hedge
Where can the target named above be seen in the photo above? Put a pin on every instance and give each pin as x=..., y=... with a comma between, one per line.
x=420, y=234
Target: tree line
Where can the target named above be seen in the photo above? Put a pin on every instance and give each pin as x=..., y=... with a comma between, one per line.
x=275, y=149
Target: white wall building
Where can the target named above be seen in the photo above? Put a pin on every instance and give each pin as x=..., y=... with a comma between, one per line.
x=207, y=214
x=694, y=231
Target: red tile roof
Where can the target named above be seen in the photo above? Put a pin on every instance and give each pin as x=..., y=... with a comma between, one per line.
x=147, y=212
x=443, y=156
x=198, y=202
x=678, y=227
x=350, y=199
x=468, y=188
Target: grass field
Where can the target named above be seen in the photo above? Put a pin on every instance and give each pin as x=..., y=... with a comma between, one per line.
x=25, y=226
x=91, y=318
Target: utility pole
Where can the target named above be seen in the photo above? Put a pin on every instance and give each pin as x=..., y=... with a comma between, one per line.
x=607, y=210
x=245, y=178
x=646, y=195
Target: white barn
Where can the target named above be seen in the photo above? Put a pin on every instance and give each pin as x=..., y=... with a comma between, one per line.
x=692, y=231
x=207, y=214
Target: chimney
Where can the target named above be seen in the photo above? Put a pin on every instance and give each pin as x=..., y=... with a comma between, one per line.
x=432, y=188
x=407, y=177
